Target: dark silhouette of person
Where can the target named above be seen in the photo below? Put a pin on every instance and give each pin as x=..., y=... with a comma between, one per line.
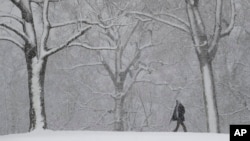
x=178, y=116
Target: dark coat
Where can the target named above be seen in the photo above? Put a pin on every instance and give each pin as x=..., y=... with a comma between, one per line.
x=179, y=112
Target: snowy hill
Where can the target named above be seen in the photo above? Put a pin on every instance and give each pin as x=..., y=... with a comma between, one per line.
x=113, y=136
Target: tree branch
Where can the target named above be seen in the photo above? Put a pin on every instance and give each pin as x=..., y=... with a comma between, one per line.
x=130, y=35
x=85, y=45
x=100, y=93
x=55, y=50
x=20, y=34
x=20, y=20
x=176, y=18
x=218, y=33
x=133, y=81
x=21, y=46
x=83, y=65
x=85, y=21
x=182, y=28
x=232, y=22
x=111, y=74
x=46, y=29
x=159, y=84
x=217, y=30
x=41, y=1
x=149, y=46
x=136, y=58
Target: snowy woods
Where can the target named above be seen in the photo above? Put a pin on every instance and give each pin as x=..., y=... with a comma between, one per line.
x=120, y=65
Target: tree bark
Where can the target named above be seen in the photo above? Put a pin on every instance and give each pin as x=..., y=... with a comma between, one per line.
x=36, y=76
x=200, y=41
x=119, y=102
x=209, y=95
x=118, y=115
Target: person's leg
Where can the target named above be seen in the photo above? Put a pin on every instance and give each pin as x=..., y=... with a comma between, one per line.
x=177, y=126
x=184, y=127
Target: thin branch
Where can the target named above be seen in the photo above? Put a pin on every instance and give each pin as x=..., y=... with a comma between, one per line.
x=135, y=59
x=137, y=56
x=85, y=21
x=111, y=74
x=149, y=46
x=232, y=22
x=85, y=45
x=159, y=84
x=217, y=30
x=182, y=28
x=234, y=112
x=83, y=65
x=129, y=37
x=21, y=46
x=100, y=93
x=20, y=34
x=41, y=1
x=133, y=81
x=176, y=18
x=118, y=7
x=54, y=50
x=18, y=19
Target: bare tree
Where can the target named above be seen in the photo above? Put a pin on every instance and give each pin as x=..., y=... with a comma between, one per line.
x=205, y=46
x=123, y=64
x=37, y=53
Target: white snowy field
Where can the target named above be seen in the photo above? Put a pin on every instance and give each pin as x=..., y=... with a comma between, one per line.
x=113, y=136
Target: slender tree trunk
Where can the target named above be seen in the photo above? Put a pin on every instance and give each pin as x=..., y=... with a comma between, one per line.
x=118, y=115
x=36, y=75
x=200, y=41
x=209, y=94
x=119, y=102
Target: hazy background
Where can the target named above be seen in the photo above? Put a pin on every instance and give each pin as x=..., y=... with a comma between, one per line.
x=69, y=98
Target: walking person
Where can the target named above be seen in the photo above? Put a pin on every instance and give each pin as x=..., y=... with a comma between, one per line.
x=178, y=116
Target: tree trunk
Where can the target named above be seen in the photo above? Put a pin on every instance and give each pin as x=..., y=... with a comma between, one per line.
x=118, y=115
x=209, y=95
x=36, y=75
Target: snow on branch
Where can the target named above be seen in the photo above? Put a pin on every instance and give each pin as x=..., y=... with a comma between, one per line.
x=99, y=93
x=175, y=17
x=83, y=65
x=66, y=44
x=87, y=46
x=46, y=27
x=232, y=22
x=159, y=84
x=40, y=1
x=149, y=46
x=217, y=32
x=21, y=46
x=20, y=34
x=217, y=26
x=85, y=21
x=180, y=27
x=18, y=19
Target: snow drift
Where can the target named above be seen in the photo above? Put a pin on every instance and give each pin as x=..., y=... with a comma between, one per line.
x=113, y=136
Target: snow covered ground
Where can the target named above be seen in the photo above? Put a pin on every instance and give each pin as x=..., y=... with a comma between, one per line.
x=113, y=136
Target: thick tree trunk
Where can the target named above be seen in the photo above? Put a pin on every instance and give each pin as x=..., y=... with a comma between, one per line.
x=36, y=75
x=118, y=115
x=209, y=95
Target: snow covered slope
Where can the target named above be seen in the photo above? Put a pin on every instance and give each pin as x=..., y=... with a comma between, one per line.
x=113, y=136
